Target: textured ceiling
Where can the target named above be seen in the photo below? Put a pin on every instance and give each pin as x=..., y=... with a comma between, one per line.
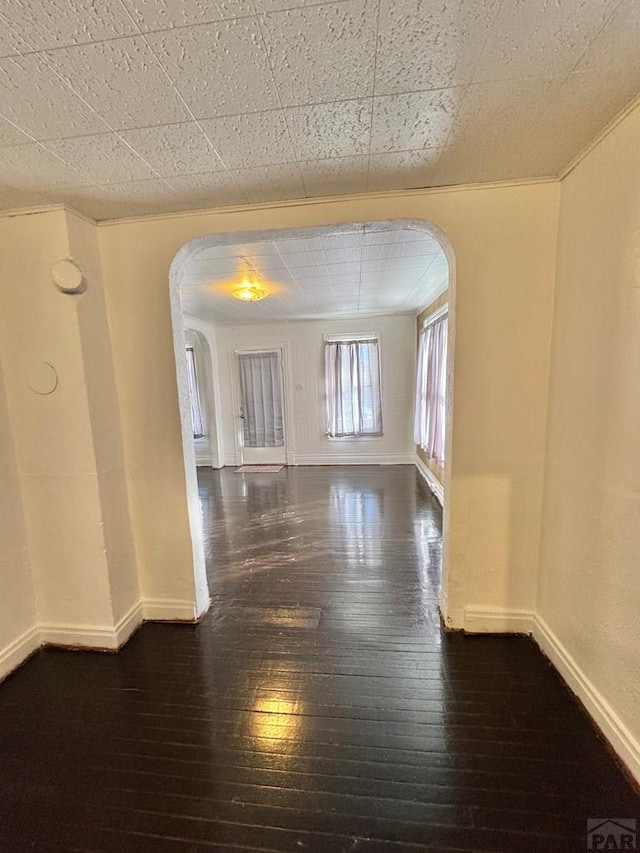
x=127, y=107
x=361, y=271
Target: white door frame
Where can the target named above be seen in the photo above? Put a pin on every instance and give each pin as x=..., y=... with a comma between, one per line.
x=285, y=361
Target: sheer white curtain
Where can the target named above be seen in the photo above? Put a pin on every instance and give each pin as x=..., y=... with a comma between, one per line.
x=197, y=417
x=261, y=388
x=431, y=389
x=352, y=377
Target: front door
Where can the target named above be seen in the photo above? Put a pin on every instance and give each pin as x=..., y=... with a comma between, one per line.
x=262, y=429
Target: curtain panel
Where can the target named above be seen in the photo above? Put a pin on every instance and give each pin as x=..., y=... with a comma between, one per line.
x=431, y=389
x=197, y=417
x=261, y=388
x=353, y=398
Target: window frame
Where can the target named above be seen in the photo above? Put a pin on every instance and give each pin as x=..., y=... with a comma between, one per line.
x=431, y=320
x=358, y=337
x=190, y=349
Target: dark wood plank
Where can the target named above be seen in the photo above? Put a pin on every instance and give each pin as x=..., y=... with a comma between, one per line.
x=318, y=707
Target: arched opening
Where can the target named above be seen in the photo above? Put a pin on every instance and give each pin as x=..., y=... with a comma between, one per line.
x=424, y=289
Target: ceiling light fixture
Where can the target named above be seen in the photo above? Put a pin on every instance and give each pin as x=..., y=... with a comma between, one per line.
x=249, y=292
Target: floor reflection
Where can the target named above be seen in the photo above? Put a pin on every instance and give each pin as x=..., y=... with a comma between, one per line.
x=317, y=707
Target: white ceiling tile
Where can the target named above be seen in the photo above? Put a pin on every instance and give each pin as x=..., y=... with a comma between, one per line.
x=347, y=283
x=485, y=146
x=337, y=129
x=335, y=176
x=175, y=149
x=392, y=264
x=152, y=15
x=98, y=202
x=349, y=240
x=11, y=41
x=336, y=255
x=579, y=107
x=403, y=170
x=298, y=244
x=222, y=268
x=30, y=168
x=540, y=79
x=251, y=140
x=15, y=199
x=430, y=44
x=413, y=120
x=544, y=38
x=377, y=233
x=59, y=23
x=264, y=250
x=300, y=259
x=135, y=198
x=220, y=69
x=12, y=135
x=103, y=158
x=615, y=49
x=208, y=190
x=220, y=251
x=491, y=113
x=346, y=269
x=268, y=268
x=122, y=81
x=324, y=52
x=391, y=251
x=270, y=183
x=33, y=97
x=281, y=5
x=467, y=163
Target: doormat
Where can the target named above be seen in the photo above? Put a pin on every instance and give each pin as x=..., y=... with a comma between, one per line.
x=259, y=469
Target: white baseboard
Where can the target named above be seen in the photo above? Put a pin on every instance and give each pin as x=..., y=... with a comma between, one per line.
x=611, y=726
x=13, y=654
x=129, y=623
x=96, y=637
x=434, y=484
x=79, y=636
x=168, y=610
x=497, y=620
x=353, y=459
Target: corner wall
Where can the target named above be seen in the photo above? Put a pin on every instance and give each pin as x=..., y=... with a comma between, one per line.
x=63, y=414
x=589, y=594
x=18, y=631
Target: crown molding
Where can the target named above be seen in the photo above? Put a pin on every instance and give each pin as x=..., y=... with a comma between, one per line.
x=600, y=137
x=31, y=211
x=335, y=199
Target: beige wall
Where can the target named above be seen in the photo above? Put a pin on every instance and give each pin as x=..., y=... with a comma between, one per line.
x=302, y=342
x=436, y=469
x=52, y=433
x=67, y=442
x=504, y=241
x=17, y=606
x=589, y=595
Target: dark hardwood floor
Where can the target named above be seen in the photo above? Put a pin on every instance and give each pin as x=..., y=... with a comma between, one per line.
x=318, y=708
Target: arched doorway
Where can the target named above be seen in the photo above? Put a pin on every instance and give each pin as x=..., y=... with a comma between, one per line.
x=179, y=269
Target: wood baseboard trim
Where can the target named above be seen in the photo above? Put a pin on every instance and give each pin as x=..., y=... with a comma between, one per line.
x=169, y=610
x=622, y=742
x=434, y=484
x=497, y=620
x=15, y=653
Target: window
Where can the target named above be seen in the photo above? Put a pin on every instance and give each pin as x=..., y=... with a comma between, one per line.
x=431, y=389
x=352, y=378
x=197, y=418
